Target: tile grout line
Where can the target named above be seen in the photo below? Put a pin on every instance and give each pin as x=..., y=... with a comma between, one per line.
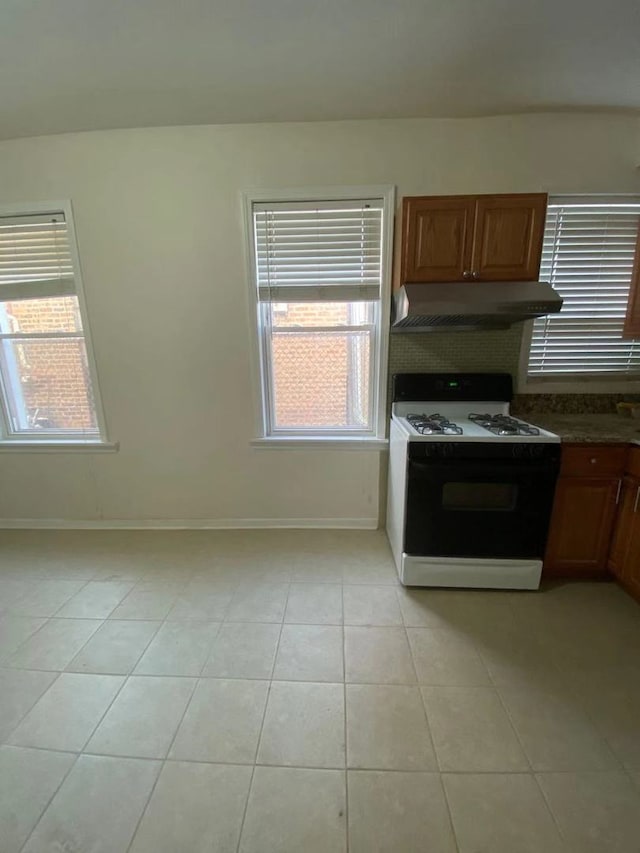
x=163, y=761
x=431, y=740
x=5, y=741
x=346, y=743
x=365, y=769
x=50, y=800
x=556, y=822
x=264, y=714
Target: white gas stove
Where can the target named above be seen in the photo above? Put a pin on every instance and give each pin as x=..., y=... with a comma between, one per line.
x=470, y=487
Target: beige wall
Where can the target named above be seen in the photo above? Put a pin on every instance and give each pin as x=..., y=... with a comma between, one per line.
x=157, y=215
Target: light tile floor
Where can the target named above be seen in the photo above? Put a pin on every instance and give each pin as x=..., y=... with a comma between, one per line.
x=280, y=692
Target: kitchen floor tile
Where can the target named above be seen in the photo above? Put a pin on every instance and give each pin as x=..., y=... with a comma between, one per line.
x=517, y=657
x=28, y=780
x=443, y=657
x=317, y=569
x=465, y=611
x=115, y=648
x=54, y=645
x=314, y=604
x=201, y=601
x=471, y=731
x=19, y=692
x=222, y=722
x=243, y=650
x=14, y=630
x=554, y=732
x=431, y=608
x=611, y=699
x=501, y=813
x=179, y=648
x=293, y=810
x=68, y=712
x=97, y=808
x=387, y=728
x=371, y=605
x=310, y=653
x=46, y=597
x=303, y=725
x=96, y=600
x=148, y=600
x=378, y=656
x=596, y=812
x=144, y=718
x=196, y=808
x=369, y=571
x=398, y=813
x=258, y=603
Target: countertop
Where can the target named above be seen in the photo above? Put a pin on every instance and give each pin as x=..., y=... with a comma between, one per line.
x=612, y=429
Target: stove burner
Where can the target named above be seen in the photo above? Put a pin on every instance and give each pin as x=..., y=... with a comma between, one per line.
x=435, y=424
x=503, y=425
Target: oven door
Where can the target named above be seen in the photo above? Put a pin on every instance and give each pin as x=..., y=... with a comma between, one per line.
x=479, y=507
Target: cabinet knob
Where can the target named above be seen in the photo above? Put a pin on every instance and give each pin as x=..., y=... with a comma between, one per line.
x=593, y=461
x=475, y=274
x=466, y=274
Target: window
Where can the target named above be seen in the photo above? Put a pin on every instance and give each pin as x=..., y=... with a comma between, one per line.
x=588, y=256
x=47, y=391
x=320, y=281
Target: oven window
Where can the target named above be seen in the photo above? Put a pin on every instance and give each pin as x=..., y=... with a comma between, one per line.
x=500, y=497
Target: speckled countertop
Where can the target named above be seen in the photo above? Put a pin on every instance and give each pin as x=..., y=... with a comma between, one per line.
x=611, y=429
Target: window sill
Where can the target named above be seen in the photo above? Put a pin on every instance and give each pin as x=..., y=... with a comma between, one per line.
x=290, y=442
x=57, y=446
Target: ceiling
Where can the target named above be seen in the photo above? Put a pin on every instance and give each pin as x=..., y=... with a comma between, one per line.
x=74, y=65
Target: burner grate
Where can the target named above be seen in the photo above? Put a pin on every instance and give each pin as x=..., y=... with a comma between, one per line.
x=503, y=424
x=435, y=424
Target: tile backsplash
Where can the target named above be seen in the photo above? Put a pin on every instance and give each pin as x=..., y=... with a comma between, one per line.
x=434, y=352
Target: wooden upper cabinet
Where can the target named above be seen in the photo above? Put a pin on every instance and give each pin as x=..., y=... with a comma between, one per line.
x=471, y=238
x=437, y=235
x=508, y=237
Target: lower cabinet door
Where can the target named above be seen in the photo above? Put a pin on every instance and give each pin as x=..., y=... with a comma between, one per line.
x=582, y=521
x=618, y=560
x=631, y=566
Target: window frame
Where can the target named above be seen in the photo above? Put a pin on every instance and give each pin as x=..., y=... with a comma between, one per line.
x=262, y=379
x=10, y=440
x=577, y=383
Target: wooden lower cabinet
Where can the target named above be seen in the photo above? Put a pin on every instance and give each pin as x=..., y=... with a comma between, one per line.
x=624, y=557
x=582, y=522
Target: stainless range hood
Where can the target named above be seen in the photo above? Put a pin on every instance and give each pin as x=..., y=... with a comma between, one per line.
x=481, y=305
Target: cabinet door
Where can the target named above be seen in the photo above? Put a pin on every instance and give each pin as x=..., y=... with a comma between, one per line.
x=623, y=527
x=581, y=525
x=437, y=235
x=624, y=561
x=508, y=237
x=631, y=576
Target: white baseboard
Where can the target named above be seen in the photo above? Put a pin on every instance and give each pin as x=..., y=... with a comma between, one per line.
x=188, y=524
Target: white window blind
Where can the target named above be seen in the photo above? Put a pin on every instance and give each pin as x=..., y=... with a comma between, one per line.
x=35, y=260
x=588, y=256
x=318, y=251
